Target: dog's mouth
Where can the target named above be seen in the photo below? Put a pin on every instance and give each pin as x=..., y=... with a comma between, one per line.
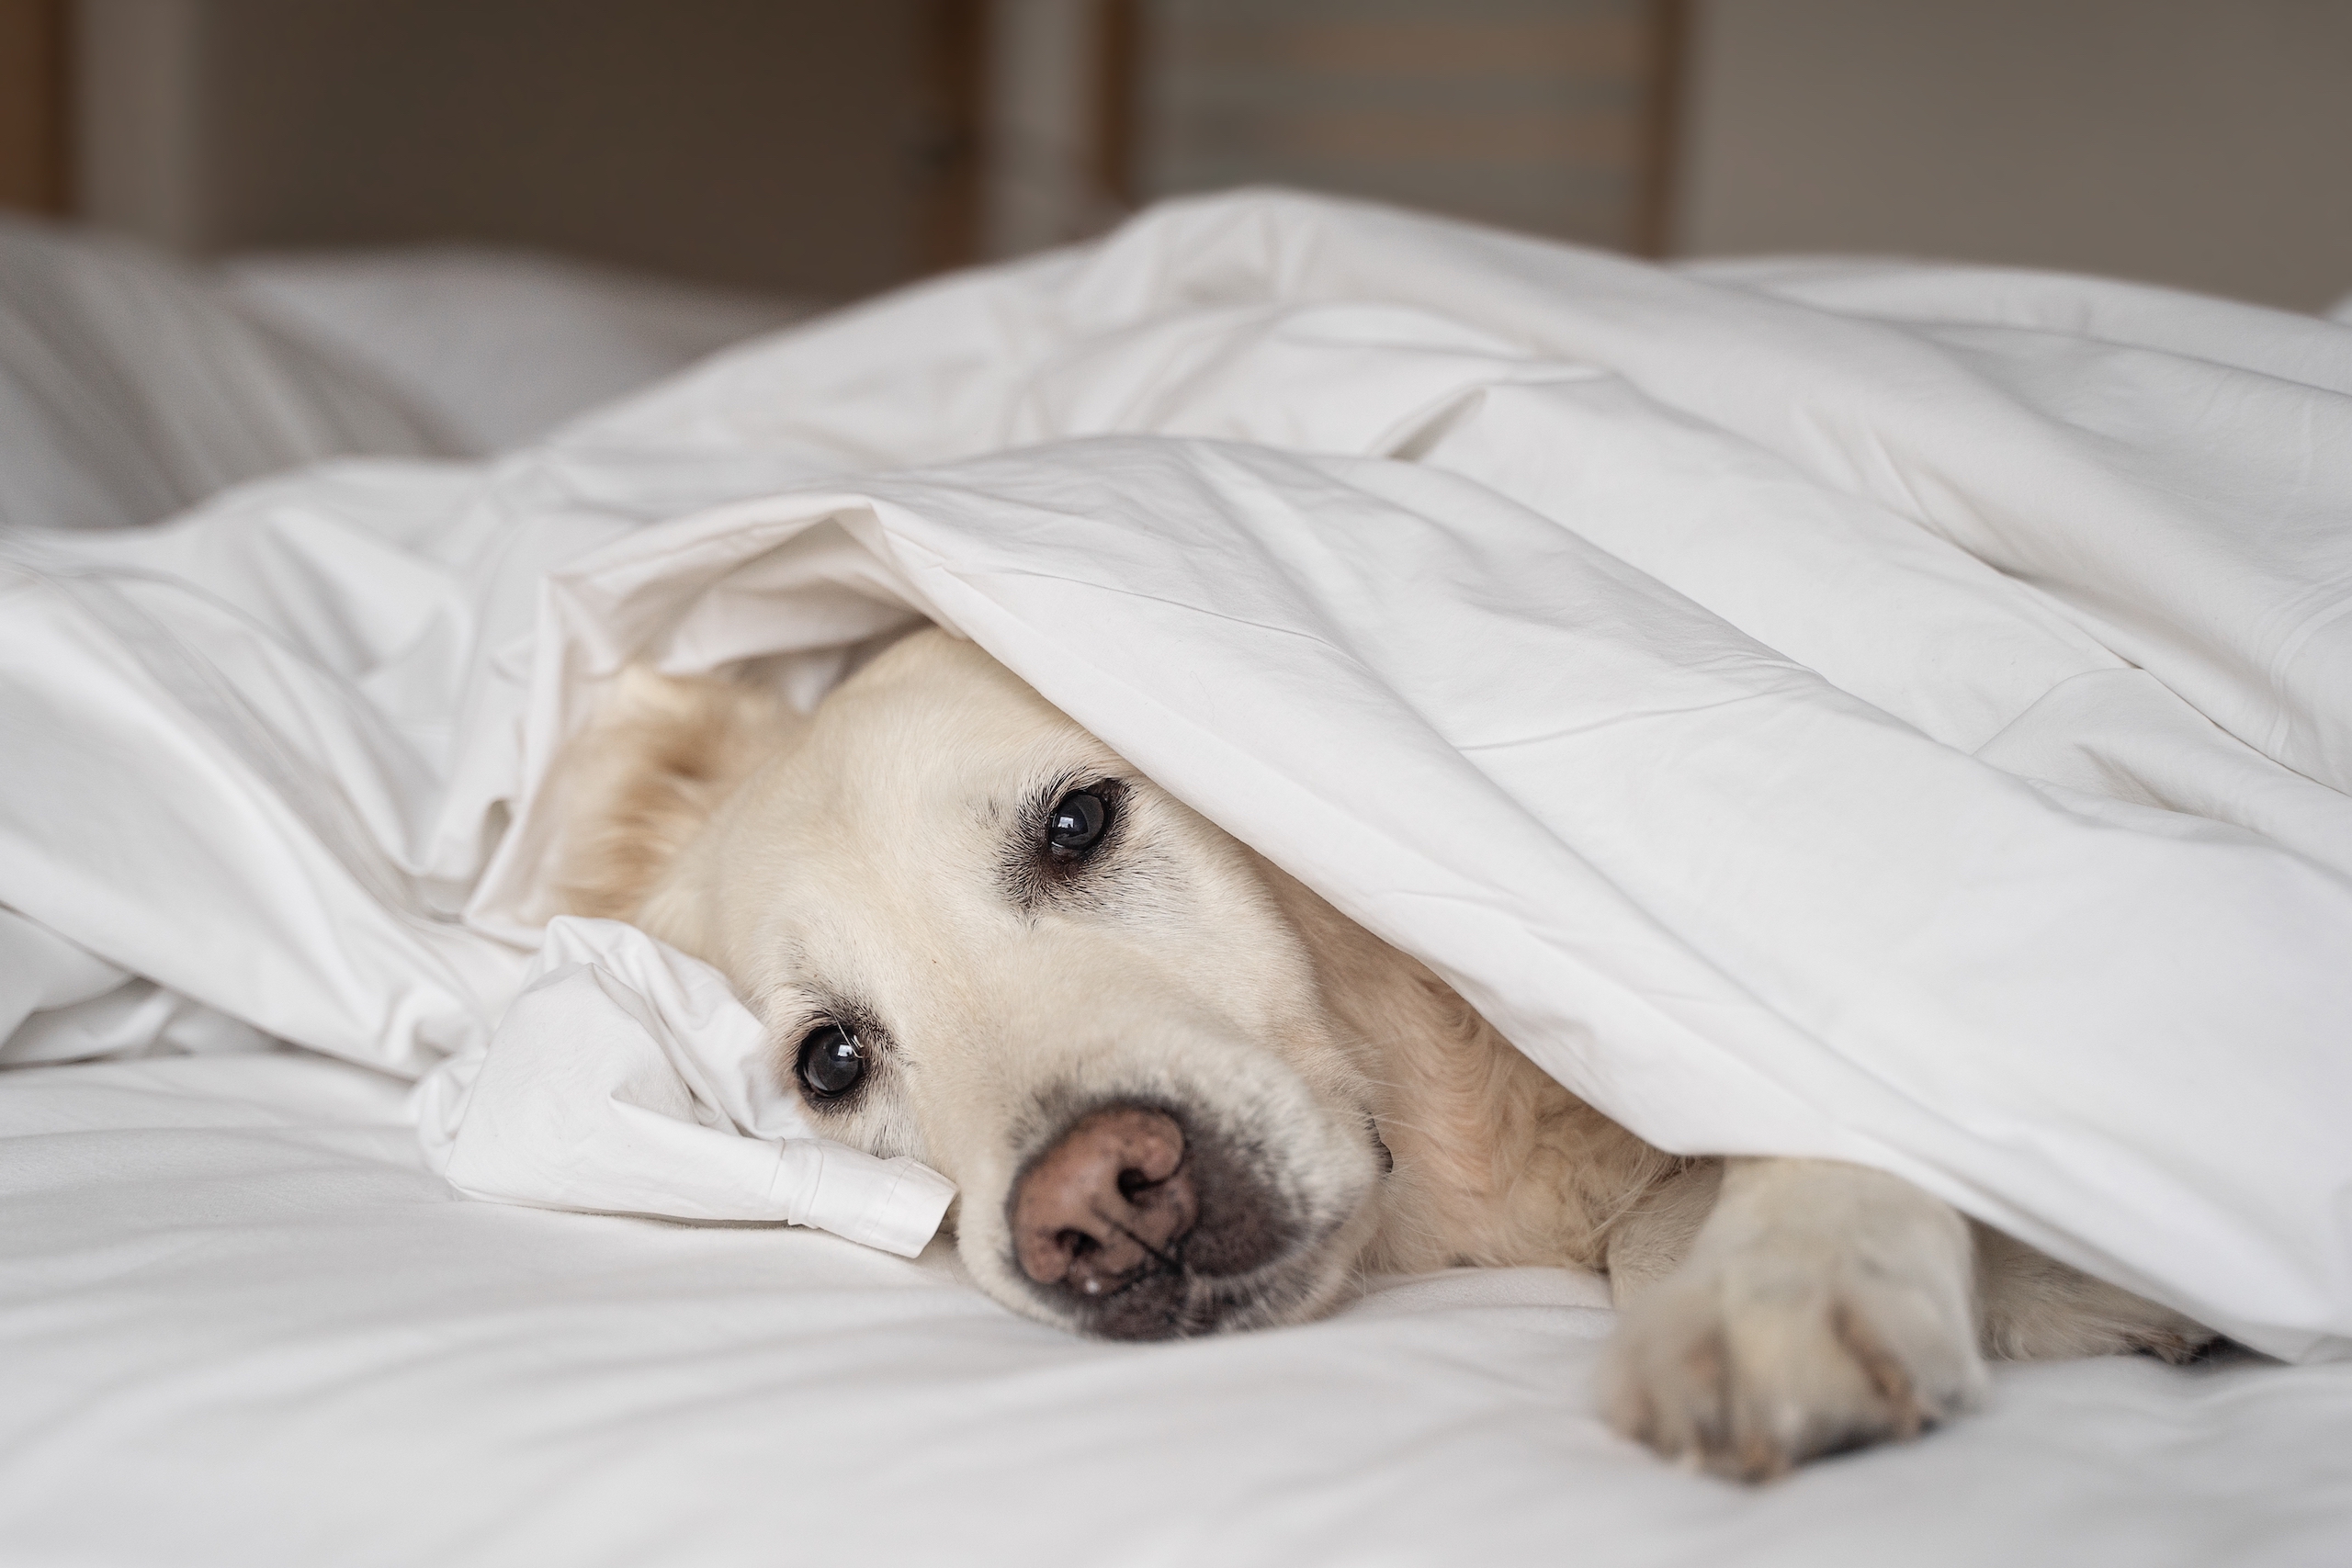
x=1144, y=1220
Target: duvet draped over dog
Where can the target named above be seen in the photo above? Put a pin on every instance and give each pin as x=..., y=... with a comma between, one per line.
x=1886, y=713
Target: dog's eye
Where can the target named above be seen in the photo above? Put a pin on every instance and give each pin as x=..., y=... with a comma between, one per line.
x=1076, y=822
x=830, y=1063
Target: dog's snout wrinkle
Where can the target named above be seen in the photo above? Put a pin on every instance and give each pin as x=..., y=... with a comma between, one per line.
x=1107, y=1201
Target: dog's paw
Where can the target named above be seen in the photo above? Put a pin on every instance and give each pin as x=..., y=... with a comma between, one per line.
x=1761, y=1360
x=1775, y=1345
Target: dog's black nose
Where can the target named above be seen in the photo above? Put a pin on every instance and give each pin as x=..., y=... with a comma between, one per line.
x=1145, y=1227
x=1108, y=1201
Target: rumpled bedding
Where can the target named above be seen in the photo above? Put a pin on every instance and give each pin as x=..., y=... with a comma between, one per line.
x=629, y=1078
x=1893, y=714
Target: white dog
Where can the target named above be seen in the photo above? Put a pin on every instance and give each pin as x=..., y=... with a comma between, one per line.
x=1181, y=1095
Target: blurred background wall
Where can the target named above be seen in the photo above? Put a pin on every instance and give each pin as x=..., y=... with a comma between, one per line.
x=2200, y=142
x=1533, y=114
x=826, y=148
x=1550, y=116
x=758, y=143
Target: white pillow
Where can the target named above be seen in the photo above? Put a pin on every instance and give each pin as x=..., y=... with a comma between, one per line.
x=132, y=387
x=502, y=346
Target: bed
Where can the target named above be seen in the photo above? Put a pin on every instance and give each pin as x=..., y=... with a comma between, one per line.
x=245, y=1322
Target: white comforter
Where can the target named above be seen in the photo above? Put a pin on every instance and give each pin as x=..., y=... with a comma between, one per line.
x=1889, y=714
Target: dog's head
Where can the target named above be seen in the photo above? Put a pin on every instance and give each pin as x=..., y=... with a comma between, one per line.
x=979, y=938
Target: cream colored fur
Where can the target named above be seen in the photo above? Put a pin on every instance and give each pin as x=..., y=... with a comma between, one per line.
x=865, y=863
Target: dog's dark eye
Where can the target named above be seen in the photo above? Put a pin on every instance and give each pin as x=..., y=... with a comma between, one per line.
x=1076, y=822
x=830, y=1063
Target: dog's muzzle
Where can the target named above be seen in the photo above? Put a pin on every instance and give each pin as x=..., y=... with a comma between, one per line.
x=1137, y=1223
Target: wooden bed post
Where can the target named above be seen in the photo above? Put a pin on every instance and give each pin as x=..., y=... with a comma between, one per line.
x=951, y=70
x=1669, y=47
x=35, y=168
x=1118, y=70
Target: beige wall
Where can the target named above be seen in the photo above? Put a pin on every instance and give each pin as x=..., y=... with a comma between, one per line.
x=772, y=143
x=2200, y=142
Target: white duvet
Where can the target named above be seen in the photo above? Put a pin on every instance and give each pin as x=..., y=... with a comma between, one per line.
x=1897, y=715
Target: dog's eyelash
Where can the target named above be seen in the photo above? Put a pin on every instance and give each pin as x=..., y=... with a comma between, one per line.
x=793, y=1025
x=1036, y=816
x=1031, y=872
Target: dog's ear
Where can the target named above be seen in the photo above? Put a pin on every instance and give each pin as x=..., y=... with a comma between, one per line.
x=634, y=788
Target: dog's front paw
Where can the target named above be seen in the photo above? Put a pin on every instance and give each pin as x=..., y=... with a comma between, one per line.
x=1776, y=1343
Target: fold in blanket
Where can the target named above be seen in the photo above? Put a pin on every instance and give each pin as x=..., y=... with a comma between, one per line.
x=627, y=1078
x=1901, y=716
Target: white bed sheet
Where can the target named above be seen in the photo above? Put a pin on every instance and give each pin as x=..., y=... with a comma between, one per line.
x=242, y=1326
